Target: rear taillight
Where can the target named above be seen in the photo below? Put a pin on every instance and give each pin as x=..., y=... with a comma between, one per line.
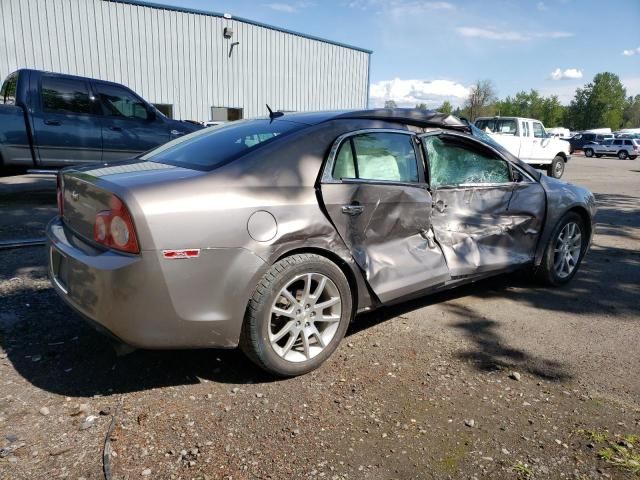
x=635, y=147
x=114, y=228
x=59, y=197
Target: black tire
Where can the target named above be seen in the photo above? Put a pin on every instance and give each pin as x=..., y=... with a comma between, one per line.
x=556, y=169
x=598, y=155
x=588, y=152
x=255, y=341
x=546, y=272
x=623, y=155
x=633, y=157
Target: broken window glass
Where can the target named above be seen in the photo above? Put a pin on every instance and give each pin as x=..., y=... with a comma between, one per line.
x=456, y=163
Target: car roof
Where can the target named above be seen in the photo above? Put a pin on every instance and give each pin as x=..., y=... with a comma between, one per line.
x=407, y=116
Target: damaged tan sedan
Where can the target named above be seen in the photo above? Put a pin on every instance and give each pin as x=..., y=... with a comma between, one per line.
x=273, y=233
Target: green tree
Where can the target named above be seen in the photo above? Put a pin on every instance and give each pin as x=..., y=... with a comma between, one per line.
x=390, y=104
x=631, y=113
x=552, y=112
x=422, y=106
x=598, y=104
x=445, y=108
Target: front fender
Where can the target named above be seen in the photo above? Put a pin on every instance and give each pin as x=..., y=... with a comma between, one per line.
x=563, y=197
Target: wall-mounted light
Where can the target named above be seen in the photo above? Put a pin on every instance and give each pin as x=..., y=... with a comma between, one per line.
x=228, y=32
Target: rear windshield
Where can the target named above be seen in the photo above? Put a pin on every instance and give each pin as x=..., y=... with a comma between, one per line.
x=213, y=147
x=506, y=126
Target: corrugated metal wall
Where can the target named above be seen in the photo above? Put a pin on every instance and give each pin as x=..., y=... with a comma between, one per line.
x=182, y=58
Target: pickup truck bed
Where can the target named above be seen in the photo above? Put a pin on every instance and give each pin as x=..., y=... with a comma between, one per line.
x=15, y=145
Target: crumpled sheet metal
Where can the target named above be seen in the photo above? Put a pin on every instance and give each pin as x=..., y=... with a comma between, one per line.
x=479, y=230
x=385, y=239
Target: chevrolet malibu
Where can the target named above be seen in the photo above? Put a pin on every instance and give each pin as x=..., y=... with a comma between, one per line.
x=271, y=234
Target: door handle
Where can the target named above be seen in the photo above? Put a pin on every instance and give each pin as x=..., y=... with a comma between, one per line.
x=352, y=209
x=440, y=206
x=176, y=133
x=115, y=129
x=53, y=122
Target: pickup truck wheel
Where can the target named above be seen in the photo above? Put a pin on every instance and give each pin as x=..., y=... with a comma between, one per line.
x=297, y=315
x=588, y=152
x=556, y=169
x=564, y=251
x=623, y=155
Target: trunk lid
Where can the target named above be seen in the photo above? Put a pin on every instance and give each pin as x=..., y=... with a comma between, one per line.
x=86, y=191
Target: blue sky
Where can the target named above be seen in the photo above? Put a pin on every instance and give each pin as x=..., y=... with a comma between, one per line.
x=433, y=50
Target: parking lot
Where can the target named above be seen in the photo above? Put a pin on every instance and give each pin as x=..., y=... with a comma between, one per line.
x=500, y=379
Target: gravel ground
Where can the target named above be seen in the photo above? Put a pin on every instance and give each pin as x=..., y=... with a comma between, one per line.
x=500, y=379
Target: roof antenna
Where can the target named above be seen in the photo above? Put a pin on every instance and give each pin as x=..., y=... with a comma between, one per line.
x=273, y=115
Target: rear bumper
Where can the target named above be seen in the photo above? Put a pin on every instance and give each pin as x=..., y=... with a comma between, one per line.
x=151, y=302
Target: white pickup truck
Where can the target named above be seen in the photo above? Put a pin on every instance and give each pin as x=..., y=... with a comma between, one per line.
x=527, y=139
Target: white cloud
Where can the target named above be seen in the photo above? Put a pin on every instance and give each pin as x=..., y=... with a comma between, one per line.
x=633, y=51
x=567, y=74
x=289, y=7
x=511, y=35
x=408, y=93
x=400, y=6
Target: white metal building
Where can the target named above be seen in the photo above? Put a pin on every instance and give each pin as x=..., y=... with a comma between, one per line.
x=194, y=64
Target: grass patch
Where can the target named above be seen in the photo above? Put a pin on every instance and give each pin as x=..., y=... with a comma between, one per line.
x=595, y=435
x=451, y=461
x=621, y=457
x=522, y=470
x=620, y=451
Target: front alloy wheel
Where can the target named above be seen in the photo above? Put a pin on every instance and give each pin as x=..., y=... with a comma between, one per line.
x=623, y=155
x=588, y=152
x=567, y=250
x=297, y=315
x=564, y=252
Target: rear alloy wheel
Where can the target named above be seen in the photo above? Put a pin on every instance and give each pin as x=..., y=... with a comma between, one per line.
x=564, y=251
x=556, y=169
x=588, y=152
x=297, y=315
x=623, y=155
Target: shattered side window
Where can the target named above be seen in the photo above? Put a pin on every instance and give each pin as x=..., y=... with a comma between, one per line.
x=454, y=163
